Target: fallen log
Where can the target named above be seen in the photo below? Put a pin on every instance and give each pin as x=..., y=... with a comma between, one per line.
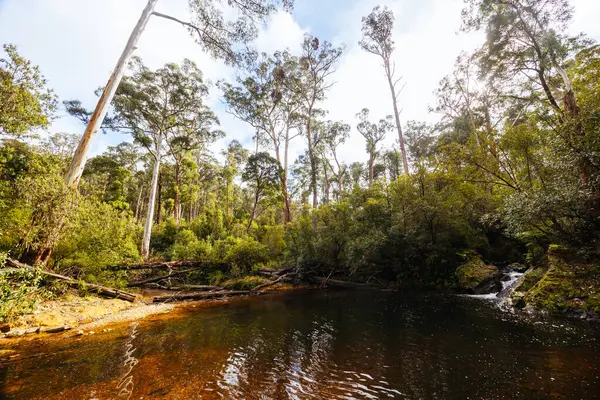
x=157, y=265
x=201, y=288
x=199, y=296
x=160, y=278
x=276, y=281
x=166, y=264
x=284, y=271
x=101, y=290
x=343, y=284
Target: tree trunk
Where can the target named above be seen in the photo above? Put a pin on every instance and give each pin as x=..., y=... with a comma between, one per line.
x=253, y=214
x=151, y=202
x=177, y=201
x=138, y=204
x=397, y=117
x=371, y=168
x=158, y=203
x=287, y=218
x=313, y=171
x=80, y=156
x=325, y=183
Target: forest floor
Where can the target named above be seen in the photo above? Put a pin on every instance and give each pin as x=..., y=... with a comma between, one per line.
x=75, y=316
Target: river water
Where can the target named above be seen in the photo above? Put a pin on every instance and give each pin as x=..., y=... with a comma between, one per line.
x=319, y=345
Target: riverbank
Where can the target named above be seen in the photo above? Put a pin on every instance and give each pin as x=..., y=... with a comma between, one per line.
x=77, y=316
x=568, y=286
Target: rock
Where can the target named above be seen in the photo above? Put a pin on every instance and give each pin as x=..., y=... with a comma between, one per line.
x=57, y=329
x=80, y=332
x=32, y=330
x=517, y=267
x=4, y=328
x=477, y=277
x=14, y=334
x=91, y=332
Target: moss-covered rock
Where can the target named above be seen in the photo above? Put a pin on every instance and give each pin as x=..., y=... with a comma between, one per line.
x=569, y=286
x=475, y=273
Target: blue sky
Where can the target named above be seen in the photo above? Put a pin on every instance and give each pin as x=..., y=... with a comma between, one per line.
x=77, y=42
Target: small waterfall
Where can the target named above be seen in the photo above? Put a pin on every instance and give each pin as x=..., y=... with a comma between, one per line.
x=509, y=285
x=510, y=280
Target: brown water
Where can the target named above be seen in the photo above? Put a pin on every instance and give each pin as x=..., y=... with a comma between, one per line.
x=319, y=345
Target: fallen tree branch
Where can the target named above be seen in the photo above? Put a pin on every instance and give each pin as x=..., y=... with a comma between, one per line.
x=102, y=290
x=264, y=285
x=161, y=264
x=186, y=287
x=160, y=278
x=344, y=284
x=200, y=296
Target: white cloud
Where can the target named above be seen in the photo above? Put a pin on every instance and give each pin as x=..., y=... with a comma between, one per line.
x=425, y=53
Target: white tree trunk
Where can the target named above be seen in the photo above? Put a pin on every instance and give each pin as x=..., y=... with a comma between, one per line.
x=80, y=156
x=151, y=201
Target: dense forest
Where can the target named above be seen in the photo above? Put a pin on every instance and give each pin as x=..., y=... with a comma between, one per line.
x=510, y=174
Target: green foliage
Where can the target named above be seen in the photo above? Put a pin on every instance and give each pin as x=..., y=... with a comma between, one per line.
x=99, y=236
x=244, y=283
x=531, y=279
x=245, y=254
x=19, y=291
x=25, y=102
x=188, y=247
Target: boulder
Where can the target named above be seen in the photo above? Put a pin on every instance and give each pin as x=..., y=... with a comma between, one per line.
x=477, y=277
x=4, y=328
x=517, y=267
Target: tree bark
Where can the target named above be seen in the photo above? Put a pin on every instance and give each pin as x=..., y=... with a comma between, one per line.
x=200, y=296
x=102, y=290
x=371, y=168
x=177, y=201
x=157, y=265
x=160, y=278
x=388, y=73
x=276, y=281
x=138, y=204
x=151, y=201
x=80, y=156
x=287, y=218
x=313, y=170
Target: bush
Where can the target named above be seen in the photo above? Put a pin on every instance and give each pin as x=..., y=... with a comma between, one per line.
x=19, y=291
x=245, y=254
x=100, y=236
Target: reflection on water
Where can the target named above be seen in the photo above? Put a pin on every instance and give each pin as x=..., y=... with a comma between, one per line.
x=336, y=345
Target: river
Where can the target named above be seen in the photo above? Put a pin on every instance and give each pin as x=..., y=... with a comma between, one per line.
x=318, y=345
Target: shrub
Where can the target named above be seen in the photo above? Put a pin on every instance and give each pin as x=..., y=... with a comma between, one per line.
x=19, y=291
x=245, y=254
x=100, y=236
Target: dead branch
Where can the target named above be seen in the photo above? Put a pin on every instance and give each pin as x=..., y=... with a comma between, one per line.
x=264, y=285
x=101, y=290
x=200, y=296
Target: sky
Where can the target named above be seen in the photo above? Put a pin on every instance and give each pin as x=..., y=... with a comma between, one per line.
x=76, y=43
